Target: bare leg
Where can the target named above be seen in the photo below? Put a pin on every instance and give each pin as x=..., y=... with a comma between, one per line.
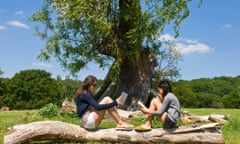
x=99, y=115
x=154, y=105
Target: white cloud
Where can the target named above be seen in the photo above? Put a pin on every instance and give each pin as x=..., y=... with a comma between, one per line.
x=166, y=37
x=41, y=64
x=2, y=27
x=18, y=24
x=193, y=48
x=227, y=26
x=186, y=46
x=20, y=12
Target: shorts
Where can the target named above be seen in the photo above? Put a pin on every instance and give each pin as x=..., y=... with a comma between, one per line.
x=90, y=122
x=168, y=123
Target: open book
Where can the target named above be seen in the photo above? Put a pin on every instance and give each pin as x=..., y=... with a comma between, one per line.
x=140, y=104
x=124, y=97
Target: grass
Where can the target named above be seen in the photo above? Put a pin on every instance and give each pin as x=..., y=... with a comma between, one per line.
x=231, y=130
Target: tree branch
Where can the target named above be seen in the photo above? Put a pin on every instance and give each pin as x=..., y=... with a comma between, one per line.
x=56, y=130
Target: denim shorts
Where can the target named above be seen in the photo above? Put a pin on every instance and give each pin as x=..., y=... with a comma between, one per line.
x=168, y=123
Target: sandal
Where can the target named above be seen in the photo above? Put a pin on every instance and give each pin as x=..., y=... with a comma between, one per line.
x=142, y=128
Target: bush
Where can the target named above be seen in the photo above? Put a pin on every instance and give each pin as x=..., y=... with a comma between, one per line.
x=50, y=110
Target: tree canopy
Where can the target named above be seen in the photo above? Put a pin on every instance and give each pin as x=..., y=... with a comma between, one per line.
x=31, y=89
x=121, y=34
x=78, y=32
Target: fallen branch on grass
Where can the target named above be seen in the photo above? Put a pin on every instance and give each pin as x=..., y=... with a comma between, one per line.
x=56, y=130
x=190, y=118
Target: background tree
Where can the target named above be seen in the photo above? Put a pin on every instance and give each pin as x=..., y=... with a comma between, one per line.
x=68, y=87
x=1, y=72
x=186, y=96
x=232, y=100
x=122, y=34
x=32, y=89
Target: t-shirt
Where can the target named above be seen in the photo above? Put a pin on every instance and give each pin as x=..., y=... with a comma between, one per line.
x=86, y=99
x=170, y=105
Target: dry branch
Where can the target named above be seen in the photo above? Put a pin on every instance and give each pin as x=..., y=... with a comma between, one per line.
x=56, y=130
x=190, y=118
x=217, y=118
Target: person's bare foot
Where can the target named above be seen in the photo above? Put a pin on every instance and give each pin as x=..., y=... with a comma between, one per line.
x=125, y=125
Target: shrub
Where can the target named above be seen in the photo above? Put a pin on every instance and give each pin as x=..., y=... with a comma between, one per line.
x=50, y=110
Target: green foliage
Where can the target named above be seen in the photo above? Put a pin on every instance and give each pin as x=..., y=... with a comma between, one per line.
x=32, y=89
x=219, y=92
x=3, y=90
x=50, y=110
x=68, y=87
x=232, y=100
x=1, y=72
x=78, y=32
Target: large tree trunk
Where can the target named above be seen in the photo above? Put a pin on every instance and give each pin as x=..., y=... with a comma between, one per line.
x=136, y=69
x=135, y=78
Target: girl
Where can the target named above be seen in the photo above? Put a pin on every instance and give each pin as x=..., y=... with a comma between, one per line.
x=90, y=111
x=168, y=109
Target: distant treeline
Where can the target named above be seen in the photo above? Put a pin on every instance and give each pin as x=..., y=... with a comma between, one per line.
x=218, y=92
x=31, y=89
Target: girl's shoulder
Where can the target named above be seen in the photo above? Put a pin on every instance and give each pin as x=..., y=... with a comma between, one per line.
x=170, y=95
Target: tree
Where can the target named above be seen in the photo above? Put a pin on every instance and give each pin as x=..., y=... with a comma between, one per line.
x=232, y=100
x=1, y=72
x=32, y=89
x=122, y=34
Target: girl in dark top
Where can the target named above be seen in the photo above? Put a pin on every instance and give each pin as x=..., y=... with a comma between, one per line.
x=90, y=111
x=166, y=106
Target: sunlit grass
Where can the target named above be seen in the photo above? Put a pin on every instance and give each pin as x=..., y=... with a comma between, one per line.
x=207, y=111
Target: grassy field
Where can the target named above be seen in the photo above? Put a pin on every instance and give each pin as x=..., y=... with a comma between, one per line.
x=231, y=130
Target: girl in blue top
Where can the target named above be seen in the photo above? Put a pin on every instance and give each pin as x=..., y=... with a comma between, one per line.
x=90, y=111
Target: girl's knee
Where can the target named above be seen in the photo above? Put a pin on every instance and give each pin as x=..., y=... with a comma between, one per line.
x=107, y=99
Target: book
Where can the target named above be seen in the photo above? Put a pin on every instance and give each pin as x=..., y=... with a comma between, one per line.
x=124, y=97
x=140, y=104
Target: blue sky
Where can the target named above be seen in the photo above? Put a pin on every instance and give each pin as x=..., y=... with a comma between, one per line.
x=209, y=41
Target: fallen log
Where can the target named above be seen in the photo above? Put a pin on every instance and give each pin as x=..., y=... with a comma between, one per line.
x=191, y=118
x=57, y=130
x=217, y=118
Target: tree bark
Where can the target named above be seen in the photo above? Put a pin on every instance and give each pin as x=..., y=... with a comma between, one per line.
x=56, y=130
x=135, y=77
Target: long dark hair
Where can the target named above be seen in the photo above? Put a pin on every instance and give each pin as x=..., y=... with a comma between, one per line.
x=88, y=81
x=165, y=85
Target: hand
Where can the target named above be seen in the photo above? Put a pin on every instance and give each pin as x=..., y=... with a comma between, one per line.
x=145, y=110
x=119, y=100
x=122, y=98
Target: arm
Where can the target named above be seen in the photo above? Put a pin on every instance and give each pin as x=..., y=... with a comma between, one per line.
x=164, y=106
x=91, y=101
